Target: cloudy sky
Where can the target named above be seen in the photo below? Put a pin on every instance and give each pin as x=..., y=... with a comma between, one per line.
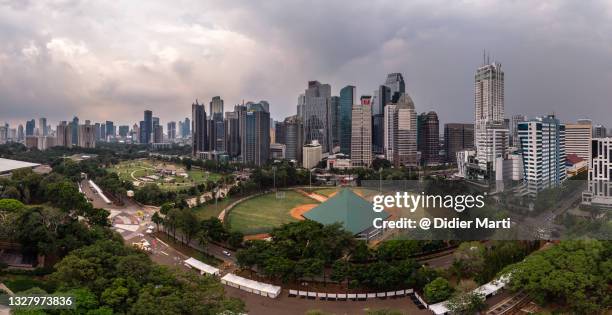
x=110, y=60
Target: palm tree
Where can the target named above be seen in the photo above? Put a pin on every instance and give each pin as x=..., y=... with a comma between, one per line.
x=157, y=219
x=203, y=240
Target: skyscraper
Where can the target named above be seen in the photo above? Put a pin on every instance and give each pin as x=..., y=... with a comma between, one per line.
x=396, y=85
x=293, y=138
x=457, y=137
x=30, y=127
x=158, y=133
x=110, y=130
x=198, y=129
x=428, y=140
x=124, y=130
x=599, y=131
x=232, y=134
x=20, y=134
x=315, y=113
x=491, y=138
x=400, y=133
x=64, y=134
x=42, y=125
x=171, y=130
x=599, y=191
x=381, y=98
x=348, y=98
x=334, y=122
x=75, y=130
x=513, y=128
x=186, y=127
x=542, y=145
x=216, y=128
x=361, y=134
x=86, y=136
x=578, y=139
x=147, y=128
x=255, y=137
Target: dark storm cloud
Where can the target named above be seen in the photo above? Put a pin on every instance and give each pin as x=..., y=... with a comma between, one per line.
x=110, y=60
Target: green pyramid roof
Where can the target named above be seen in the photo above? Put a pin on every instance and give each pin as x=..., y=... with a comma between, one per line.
x=347, y=208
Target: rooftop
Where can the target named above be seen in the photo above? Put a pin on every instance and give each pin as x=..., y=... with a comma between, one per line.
x=7, y=165
x=347, y=208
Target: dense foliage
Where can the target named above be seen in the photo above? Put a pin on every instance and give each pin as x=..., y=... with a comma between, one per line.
x=575, y=274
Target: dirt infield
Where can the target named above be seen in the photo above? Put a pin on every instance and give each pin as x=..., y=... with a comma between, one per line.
x=297, y=212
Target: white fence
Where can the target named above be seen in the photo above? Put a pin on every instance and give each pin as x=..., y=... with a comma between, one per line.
x=251, y=286
x=349, y=296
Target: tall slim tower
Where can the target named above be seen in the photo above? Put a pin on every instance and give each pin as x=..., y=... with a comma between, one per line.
x=490, y=135
x=198, y=129
x=361, y=134
x=348, y=97
x=315, y=114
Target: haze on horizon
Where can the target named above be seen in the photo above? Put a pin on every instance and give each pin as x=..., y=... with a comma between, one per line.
x=112, y=60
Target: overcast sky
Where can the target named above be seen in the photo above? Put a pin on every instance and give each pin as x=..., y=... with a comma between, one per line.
x=110, y=60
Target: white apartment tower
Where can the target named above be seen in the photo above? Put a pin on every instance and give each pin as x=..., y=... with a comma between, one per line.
x=361, y=135
x=542, y=145
x=599, y=193
x=400, y=131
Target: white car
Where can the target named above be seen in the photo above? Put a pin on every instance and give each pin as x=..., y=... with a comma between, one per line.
x=149, y=231
x=226, y=253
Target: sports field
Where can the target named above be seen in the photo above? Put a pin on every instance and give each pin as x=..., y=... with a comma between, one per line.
x=262, y=213
x=168, y=176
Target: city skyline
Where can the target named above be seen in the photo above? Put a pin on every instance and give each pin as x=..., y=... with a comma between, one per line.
x=154, y=65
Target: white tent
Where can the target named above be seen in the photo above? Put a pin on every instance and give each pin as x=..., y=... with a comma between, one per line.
x=486, y=290
x=202, y=267
x=252, y=286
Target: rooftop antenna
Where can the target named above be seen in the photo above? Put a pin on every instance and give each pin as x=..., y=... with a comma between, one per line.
x=484, y=59
x=488, y=58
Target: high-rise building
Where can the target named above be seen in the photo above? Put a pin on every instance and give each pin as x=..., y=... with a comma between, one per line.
x=216, y=106
x=293, y=138
x=400, y=133
x=578, y=139
x=198, y=129
x=110, y=130
x=75, y=130
x=361, y=135
x=280, y=132
x=124, y=130
x=314, y=113
x=4, y=133
x=255, y=136
x=42, y=124
x=599, y=191
x=542, y=145
x=97, y=131
x=64, y=134
x=102, y=131
x=141, y=128
x=232, y=134
x=172, y=130
x=513, y=130
x=599, y=131
x=158, y=133
x=147, y=128
x=30, y=127
x=334, y=122
x=312, y=154
x=20, y=133
x=457, y=137
x=186, y=128
x=489, y=114
x=86, y=136
x=428, y=139
x=348, y=98
x=396, y=85
x=216, y=128
x=381, y=98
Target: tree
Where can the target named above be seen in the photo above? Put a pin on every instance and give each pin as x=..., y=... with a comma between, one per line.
x=466, y=303
x=438, y=290
x=188, y=223
x=574, y=274
x=471, y=257
x=157, y=219
x=235, y=239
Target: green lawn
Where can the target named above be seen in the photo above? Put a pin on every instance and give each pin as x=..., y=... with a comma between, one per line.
x=327, y=192
x=262, y=213
x=210, y=210
x=128, y=170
